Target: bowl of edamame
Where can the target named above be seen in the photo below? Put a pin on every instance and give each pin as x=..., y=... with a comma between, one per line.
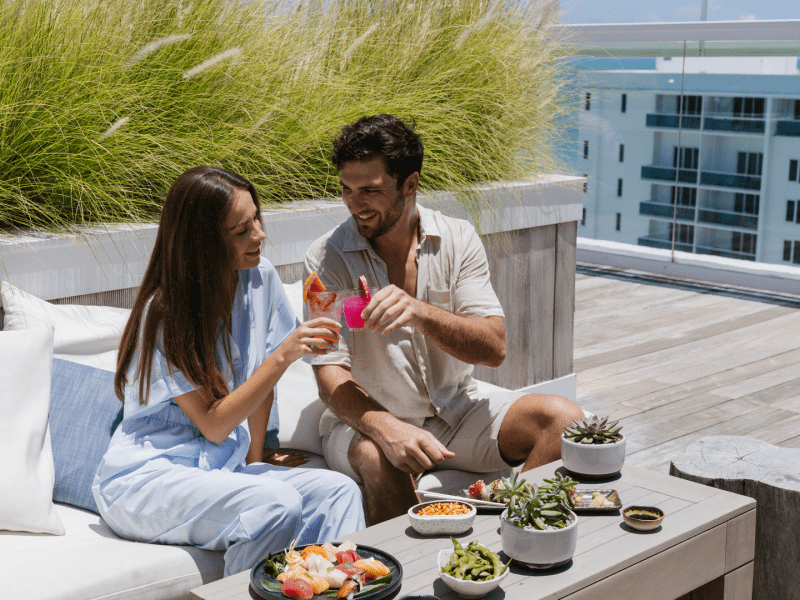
x=471, y=571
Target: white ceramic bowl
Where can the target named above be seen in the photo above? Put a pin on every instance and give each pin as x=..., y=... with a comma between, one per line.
x=593, y=460
x=539, y=549
x=441, y=524
x=467, y=589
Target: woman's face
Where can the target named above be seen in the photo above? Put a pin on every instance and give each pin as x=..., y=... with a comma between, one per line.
x=244, y=231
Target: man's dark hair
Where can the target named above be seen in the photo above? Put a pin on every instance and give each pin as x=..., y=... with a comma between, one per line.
x=385, y=136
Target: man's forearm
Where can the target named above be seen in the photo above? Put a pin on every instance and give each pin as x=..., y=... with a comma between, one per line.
x=473, y=340
x=349, y=401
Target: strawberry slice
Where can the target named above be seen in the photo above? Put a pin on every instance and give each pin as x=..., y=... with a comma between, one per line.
x=297, y=589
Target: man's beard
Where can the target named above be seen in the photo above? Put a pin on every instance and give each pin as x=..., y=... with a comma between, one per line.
x=384, y=223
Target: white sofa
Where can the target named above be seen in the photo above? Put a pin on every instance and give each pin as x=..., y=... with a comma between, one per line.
x=89, y=561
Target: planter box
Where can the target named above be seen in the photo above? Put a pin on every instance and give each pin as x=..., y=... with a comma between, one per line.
x=529, y=230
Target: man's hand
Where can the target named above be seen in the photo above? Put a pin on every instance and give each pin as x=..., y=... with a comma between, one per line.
x=390, y=309
x=411, y=449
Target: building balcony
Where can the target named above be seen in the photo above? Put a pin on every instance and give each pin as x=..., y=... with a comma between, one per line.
x=734, y=125
x=659, y=209
x=673, y=121
x=731, y=219
x=790, y=128
x=668, y=174
x=663, y=243
x=730, y=180
x=727, y=253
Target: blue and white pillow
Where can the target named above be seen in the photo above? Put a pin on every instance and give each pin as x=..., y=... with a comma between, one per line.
x=84, y=412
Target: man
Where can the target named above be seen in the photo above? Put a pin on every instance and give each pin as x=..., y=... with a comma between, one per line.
x=400, y=396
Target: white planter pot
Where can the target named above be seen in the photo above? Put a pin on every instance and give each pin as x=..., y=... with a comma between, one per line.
x=592, y=460
x=539, y=549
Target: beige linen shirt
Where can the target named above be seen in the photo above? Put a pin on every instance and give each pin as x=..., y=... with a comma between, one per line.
x=404, y=372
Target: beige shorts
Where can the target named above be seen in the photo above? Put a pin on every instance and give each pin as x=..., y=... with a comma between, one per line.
x=473, y=441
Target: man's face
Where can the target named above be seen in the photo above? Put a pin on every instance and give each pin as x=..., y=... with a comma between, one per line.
x=371, y=196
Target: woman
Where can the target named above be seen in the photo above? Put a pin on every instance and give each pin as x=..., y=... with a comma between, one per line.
x=210, y=334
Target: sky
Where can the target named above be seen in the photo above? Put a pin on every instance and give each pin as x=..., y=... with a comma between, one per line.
x=642, y=11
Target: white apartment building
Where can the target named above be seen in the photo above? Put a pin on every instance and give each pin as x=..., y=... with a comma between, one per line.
x=708, y=151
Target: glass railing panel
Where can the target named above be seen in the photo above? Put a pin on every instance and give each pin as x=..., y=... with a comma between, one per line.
x=668, y=174
x=790, y=128
x=734, y=125
x=659, y=209
x=725, y=218
x=725, y=253
x=732, y=180
x=673, y=121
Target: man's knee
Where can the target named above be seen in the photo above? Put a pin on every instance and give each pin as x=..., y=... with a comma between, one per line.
x=365, y=456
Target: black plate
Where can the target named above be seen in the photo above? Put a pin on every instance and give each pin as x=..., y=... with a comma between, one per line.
x=611, y=495
x=395, y=568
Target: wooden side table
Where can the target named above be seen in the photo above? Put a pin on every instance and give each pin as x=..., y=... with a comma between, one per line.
x=705, y=546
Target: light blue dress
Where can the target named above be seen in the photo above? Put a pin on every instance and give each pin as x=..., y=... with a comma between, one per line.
x=162, y=481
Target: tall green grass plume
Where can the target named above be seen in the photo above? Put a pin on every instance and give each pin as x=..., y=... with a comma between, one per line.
x=104, y=103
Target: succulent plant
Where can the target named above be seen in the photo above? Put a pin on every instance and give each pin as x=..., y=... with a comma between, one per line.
x=593, y=430
x=543, y=507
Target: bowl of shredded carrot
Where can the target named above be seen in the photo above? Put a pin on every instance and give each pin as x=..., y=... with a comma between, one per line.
x=442, y=518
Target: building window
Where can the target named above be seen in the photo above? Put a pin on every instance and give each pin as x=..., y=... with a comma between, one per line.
x=743, y=242
x=585, y=183
x=790, y=210
x=683, y=234
x=588, y=100
x=684, y=196
x=692, y=105
x=746, y=203
x=622, y=153
x=619, y=221
x=749, y=163
x=797, y=110
x=585, y=148
x=624, y=102
x=796, y=258
x=748, y=107
x=792, y=170
x=685, y=158
x=583, y=218
x=787, y=250
x=619, y=187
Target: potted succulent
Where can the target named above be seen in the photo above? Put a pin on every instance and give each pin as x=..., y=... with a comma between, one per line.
x=593, y=448
x=539, y=528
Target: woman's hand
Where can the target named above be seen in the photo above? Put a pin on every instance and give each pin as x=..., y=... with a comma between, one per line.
x=317, y=336
x=281, y=458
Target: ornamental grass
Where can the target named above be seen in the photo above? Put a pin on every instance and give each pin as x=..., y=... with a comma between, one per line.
x=105, y=102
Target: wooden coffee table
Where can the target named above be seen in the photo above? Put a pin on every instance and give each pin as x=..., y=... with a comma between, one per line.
x=705, y=544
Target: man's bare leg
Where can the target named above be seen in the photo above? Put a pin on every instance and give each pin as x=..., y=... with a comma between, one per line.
x=388, y=491
x=531, y=430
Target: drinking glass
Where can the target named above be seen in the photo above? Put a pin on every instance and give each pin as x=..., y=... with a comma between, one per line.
x=327, y=304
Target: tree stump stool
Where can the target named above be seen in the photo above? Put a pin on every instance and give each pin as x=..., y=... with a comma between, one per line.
x=770, y=475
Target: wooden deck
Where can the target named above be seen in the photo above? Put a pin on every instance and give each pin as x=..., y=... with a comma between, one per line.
x=676, y=361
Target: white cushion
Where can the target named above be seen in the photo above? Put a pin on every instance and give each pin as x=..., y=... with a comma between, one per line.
x=299, y=406
x=27, y=473
x=85, y=330
x=92, y=562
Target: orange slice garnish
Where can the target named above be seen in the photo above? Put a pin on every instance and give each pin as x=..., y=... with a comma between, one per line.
x=312, y=286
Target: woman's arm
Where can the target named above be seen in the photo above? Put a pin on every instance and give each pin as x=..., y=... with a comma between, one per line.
x=257, y=423
x=217, y=418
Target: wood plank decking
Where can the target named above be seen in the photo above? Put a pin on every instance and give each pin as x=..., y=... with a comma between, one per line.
x=676, y=361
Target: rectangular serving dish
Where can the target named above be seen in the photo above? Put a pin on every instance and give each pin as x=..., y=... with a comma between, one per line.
x=585, y=506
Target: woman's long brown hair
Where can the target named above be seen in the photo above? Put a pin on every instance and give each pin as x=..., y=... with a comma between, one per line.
x=189, y=282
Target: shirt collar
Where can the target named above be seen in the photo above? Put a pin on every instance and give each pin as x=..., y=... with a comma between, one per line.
x=354, y=241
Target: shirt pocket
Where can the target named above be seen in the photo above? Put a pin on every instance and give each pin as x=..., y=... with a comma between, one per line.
x=441, y=298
